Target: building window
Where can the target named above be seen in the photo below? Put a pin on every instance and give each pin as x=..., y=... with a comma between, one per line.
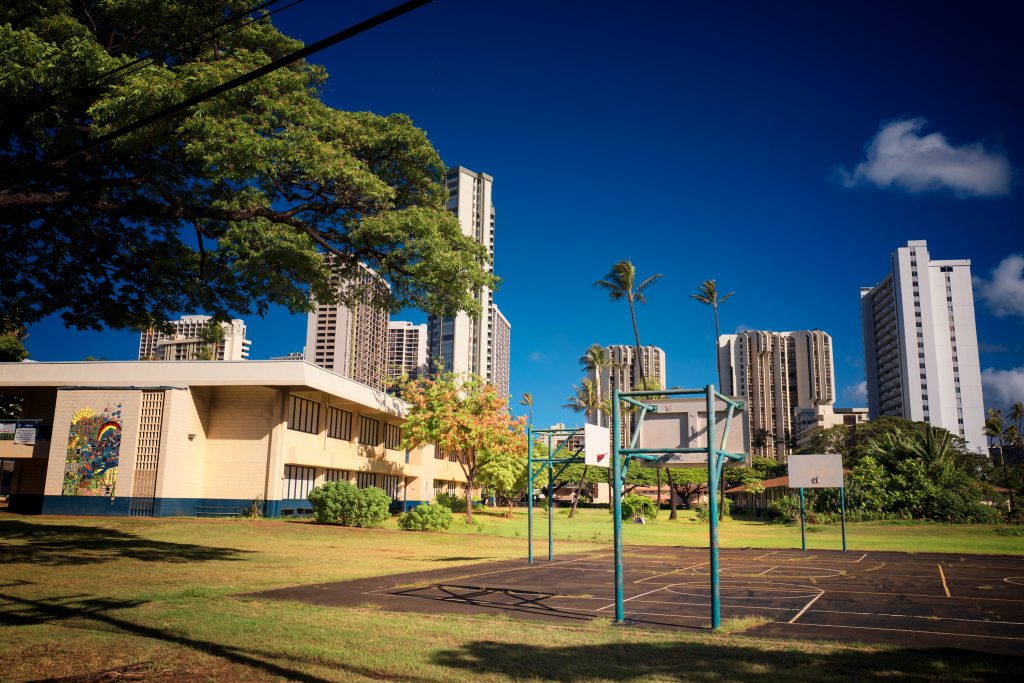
x=339, y=423
x=303, y=415
x=335, y=476
x=365, y=480
x=389, y=482
x=298, y=482
x=369, y=431
x=438, y=453
x=392, y=437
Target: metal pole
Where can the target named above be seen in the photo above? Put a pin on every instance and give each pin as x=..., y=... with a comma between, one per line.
x=716, y=616
x=551, y=513
x=803, y=533
x=842, y=506
x=529, y=495
x=617, y=506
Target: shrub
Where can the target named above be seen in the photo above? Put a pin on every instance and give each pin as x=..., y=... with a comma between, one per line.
x=342, y=503
x=786, y=508
x=638, y=506
x=456, y=504
x=432, y=517
x=703, y=511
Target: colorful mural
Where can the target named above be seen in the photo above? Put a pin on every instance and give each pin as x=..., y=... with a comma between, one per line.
x=94, y=444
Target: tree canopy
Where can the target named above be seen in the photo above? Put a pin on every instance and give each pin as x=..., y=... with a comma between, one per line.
x=226, y=208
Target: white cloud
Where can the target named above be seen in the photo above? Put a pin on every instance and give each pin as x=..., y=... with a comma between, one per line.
x=899, y=156
x=1002, y=388
x=857, y=392
x=536, y=356
x=1004, y=293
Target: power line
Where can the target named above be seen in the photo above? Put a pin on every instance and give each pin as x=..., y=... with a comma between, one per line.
x=278, y=63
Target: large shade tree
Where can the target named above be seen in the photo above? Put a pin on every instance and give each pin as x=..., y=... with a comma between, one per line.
x=225, y=208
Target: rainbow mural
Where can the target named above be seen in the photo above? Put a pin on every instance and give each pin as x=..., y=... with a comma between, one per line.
x=94, y=446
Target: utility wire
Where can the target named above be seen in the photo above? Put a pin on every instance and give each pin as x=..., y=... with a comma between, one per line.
x=199, y=98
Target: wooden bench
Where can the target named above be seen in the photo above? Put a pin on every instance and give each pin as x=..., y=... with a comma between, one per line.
x=219, y=510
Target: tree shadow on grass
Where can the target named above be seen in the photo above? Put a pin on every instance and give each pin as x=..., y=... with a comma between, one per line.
x=716, y=661
x=93, y=613
x=57, y=545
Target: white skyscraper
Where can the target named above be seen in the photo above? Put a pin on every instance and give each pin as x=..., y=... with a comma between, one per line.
x=624, y=375
x=189, y=340
x=407, y=349
x=465, y=344
x=921, y=345
x=778, y=374
x=351, y=340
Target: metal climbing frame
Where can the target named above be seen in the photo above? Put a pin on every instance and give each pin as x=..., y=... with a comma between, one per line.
x=550, y=462
x=716, y=459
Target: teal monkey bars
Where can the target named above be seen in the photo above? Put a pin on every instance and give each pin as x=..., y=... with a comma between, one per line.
x=716, y=460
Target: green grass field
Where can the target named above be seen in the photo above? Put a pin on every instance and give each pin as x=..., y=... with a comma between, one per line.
x=160, y=600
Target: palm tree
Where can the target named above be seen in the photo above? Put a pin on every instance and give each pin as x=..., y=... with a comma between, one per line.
x=1017, y=413
x=994, y=430
x=619, y=283
x=707, y=294
x=596, y=359
x=584, y=399
x=527, y=400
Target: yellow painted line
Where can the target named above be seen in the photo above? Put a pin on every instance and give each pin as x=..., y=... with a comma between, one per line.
x=806, y=607
x=942, y=576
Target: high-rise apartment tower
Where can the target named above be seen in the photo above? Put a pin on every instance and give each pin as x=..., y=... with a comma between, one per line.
x=407, y=350
x=351, y=340
x=189, y=340
x=464, y=344
x=624, y=374
x=921, y=344
x=776, y=374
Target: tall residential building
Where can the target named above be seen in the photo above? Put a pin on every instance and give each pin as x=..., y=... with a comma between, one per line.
x=189, y=341
x=921, y=345
x=464, y=344
x=501, y=352
x=624, y=375
x=351, y=340
x=407, y=350
x=777, y=374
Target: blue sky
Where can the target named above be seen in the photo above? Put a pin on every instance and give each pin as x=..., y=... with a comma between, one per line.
x=714, y=140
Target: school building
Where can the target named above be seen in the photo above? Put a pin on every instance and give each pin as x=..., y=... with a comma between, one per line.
x=201, y=438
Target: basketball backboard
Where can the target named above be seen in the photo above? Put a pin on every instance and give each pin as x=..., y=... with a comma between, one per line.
x=816, y=471
x=682, y=422
x=596, y=446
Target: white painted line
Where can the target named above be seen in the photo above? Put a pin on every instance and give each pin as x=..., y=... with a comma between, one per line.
x=942, y=576
x=806, y=607
x=671, y=572
x=910, y=630
x=766, y=555
x=860, y=558
x=767, y=570
x=634, y=597
x=919, y=616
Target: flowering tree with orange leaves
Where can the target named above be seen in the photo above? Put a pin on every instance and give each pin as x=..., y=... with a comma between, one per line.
x=466, y=415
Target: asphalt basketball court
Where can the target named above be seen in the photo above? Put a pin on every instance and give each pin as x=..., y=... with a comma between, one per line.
x=971, y=602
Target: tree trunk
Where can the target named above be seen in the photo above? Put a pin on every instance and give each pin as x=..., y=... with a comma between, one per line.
x=469, y=499
x=1006, y=478
x=671, y=495
x=636, y=335
x=508, y=501
x=579, y=490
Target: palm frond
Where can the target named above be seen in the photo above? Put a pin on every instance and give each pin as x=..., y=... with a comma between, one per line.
x=648, y=282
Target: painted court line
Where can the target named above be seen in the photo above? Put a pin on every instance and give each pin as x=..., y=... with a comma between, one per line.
x=766, y=555
x=860, y=558
x=767, y=570
x=806, y=607
x=919, y=616
x=633, y=598
x=942, y=576
x=910, y=630
x=674, y=571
